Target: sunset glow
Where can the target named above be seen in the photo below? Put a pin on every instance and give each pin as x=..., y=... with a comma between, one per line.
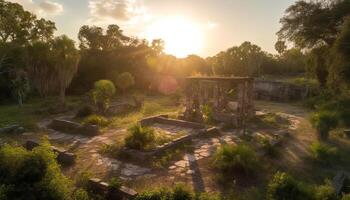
x=181, y=36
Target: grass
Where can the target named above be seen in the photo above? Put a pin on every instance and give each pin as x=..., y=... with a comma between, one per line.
x=151, y=106
x=29, y=114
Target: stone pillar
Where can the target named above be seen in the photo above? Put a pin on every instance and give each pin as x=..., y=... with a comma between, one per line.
x=216, y=96
x=250, y=96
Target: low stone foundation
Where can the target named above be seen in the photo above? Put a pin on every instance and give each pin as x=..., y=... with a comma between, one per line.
x=201, y=130
x=12, y=129
x=163, y=119
x=74, y=128
x=102, y=188
x=63, y=156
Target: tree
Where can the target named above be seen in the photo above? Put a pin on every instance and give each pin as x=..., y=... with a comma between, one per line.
x=102, y=92
x=313, y=23
x=66, y=58
x=280, y=46
x=22, y=27
x=124, y=81
x=40, y=67
x=244, y=60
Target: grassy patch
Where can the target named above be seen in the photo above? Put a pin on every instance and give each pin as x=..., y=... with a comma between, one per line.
x=151, y=106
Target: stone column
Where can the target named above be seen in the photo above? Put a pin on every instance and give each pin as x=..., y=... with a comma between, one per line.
x=216, y=96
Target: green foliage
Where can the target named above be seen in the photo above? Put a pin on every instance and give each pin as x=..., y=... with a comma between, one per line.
x=96, y=120
x=207, y=112
x=178, y=192
x=325, y=191
x=124, y=81
x=32, y=174
x=241, y=158
x=324, y=121
x=115, y=183
x=284, y=187
x=81, y=194
x=345, y=197
x=102, y=92
x=323, y=153
x=139, y=137
x=82, y=179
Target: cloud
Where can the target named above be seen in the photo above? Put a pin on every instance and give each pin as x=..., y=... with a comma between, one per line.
x=43, y=9
x=107, y=11
x=51, y=8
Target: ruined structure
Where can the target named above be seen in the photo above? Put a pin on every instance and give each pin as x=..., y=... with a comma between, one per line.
x=228, y=99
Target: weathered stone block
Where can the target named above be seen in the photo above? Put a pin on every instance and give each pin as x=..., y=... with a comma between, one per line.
x=12, y=129
x=74, y=128
x=102, y=188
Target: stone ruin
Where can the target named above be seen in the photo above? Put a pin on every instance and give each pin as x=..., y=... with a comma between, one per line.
x=230, y=98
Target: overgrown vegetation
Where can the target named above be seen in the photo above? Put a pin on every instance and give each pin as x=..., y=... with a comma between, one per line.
x=240, y=158
x=178, y=192
x=324, y=153
x=32, y=174
x=139, y=137
x=284, y=187
x=96, y=120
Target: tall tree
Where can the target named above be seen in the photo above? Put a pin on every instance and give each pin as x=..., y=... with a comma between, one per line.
x=66, y=58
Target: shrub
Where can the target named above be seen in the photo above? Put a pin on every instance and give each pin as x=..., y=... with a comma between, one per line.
x=207, y=114
x=325, y=192
x=80, y=194
x=139, y=137
x=178, y=192
x=345, y=197
x=32, y=174
x=324, y=121
x=82, y=179
x=102, y=92
x=285, y=187
x=115, y=183
x=323, y=153
x=124, y=81
x=96, y=120
x=240, y=157
x=85, y=111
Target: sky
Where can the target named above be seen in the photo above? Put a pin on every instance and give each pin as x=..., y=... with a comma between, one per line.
x=202, y=27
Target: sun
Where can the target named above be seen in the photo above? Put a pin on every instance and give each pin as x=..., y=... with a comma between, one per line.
x=181, y=36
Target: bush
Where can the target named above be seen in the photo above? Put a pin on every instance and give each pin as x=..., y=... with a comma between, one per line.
x=178, y=192
x=115, y=183
x=32, y=174
x=324, y=121
x=323, y=153
x=207, y=114
x=96, y=120
x=124, y=81
x=102, y=92
x=81, y=194
x=139, y=137
x=85, y=111
x=231, y=158
x=325, y=192
x=345, y=197
x=285, y=187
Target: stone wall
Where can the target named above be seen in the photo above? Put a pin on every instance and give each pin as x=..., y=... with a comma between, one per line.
x=102, y=188
x=63, y=157
x=279, y=91
x=73, y=127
